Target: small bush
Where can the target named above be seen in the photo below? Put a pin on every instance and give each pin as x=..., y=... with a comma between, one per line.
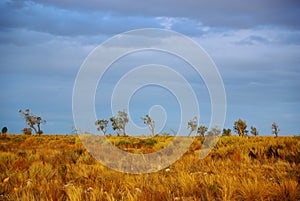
x=150, y=142
x=27, y=131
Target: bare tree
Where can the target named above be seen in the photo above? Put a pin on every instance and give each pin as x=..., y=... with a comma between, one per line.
x=74, y=130
x=174, y=132
x=275, y=129
x=215, y=131
x=33, y=121
x=148, y=121
x=193, y=125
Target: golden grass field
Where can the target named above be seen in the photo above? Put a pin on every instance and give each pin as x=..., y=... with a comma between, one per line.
x=57, y=167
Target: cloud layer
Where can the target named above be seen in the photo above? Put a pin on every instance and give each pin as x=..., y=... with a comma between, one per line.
x=255, y=45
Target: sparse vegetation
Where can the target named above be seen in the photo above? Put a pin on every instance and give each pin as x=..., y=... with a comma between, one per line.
x=33, y=121
x=4, y=131
x=254, y=131
x=193, y=125
x=57, y=167
x=148, y=121
x=102, y=125
x=27, y=131
x=215, y=131
x=240, y=126
x=202, y=130
x=275, y=129
x=226, y=132
x=119, y=122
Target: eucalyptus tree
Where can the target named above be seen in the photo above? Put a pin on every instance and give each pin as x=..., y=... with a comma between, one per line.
x=240, y=126
x=201, y=130
x=275, y=129
x=226, y=132
x=119, y=122
x=4, y=131
x=102, y=125
x=254, y=131
x=33, y=121
x=215, y=131
x=148, y=121
x=193, y=125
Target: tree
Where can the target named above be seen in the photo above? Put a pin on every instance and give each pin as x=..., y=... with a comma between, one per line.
x=150, y=123
x=192, y=125
x=174, y=131
x=115, y=125
x=275, y=129
x=74, y=130
x=102, y=125
x=254, y=131
x=123, y=120
x=240, y=127
x=119, y=122
x=4, y=131
x=201, y=130
x=215, y=131
x=226, y=132
x=33, y=121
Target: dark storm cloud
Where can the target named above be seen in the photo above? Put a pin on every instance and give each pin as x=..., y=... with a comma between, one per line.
x=72, y=18
x=252, y=40
x=59, y=21
x=231, y=13
x=254, y=44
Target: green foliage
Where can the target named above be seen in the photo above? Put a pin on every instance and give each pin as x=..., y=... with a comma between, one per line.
x=123, y=143
x=27, y=131
x=115, y=126
x=240, y=127
x=226, y=132
x=33, y=121
x=150, y=142
x=165, y=134
x=4, y=130
x=102, y=125
x=201, y=130
x=119, y=122
x=254, y=131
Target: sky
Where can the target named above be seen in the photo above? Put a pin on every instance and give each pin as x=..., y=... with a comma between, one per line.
x=254, y=45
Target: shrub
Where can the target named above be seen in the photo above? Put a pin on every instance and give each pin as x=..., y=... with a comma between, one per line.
x=4, y=130
x=27, y=131
x=150, y=142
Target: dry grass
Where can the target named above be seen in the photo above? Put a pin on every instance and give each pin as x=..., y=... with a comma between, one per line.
x=57, y=167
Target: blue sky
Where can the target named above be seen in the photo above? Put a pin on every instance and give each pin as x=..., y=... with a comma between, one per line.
x=255, y=46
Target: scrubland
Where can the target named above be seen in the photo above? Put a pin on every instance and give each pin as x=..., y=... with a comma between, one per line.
x=58, y=167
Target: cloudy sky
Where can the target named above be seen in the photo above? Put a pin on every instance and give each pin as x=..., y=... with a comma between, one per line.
x=255, y=47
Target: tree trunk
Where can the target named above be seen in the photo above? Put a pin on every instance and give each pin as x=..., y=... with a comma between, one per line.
x=36, y=131
x=39, y=129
